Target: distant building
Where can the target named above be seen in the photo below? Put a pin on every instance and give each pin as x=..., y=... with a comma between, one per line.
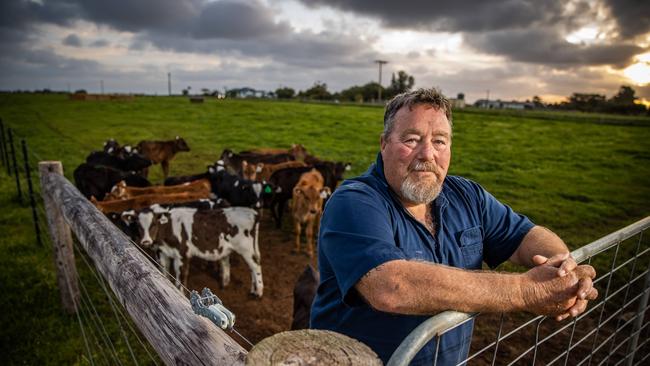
x=500, y=104
x=246, y=92
x=458, y=102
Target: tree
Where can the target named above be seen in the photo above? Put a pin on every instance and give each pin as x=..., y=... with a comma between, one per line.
x=587, y=102
x=285, y=93
x=360, y=94
x=538, y=102
x=400, y=84
x=318, y=91
x=624, y=102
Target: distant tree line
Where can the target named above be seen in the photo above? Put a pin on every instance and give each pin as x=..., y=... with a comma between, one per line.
x=368, y=92
x=623, y=102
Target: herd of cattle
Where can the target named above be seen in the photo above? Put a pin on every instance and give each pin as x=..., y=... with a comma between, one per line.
x=211, y=214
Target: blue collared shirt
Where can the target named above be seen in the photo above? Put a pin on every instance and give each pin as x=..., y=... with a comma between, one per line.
x=365, y=225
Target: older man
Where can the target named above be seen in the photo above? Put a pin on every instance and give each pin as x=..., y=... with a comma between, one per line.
x=405, y=241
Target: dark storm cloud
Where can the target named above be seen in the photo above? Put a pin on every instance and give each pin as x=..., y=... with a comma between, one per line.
x=72, y=40
x=451, y=15
x=305, y=49
x=236, y=20
x=548, y=47
x=632, y=16
x=529, y=31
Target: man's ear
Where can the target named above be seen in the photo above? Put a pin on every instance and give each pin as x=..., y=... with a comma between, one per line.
x=382, y=141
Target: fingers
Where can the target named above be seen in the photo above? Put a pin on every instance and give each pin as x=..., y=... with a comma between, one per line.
x=585, y=270
x=539, y=259
x=567, y=265
x=584, y=287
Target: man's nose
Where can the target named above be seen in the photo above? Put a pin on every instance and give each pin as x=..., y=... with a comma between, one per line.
x=427, y=152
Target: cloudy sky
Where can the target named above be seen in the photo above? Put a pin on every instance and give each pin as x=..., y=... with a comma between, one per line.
x=513, y=48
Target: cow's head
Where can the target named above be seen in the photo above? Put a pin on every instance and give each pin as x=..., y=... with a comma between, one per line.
x=298, y=151
x=268, y=191
x=311, y=198
x=181, y=145
x=249, y=171
x=111, y=147
x=118, y=192
x=149, y=221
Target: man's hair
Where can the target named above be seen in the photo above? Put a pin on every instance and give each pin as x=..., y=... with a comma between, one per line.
x=432, y=97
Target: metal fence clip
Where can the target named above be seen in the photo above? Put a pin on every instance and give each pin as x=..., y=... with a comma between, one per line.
x=211, y=307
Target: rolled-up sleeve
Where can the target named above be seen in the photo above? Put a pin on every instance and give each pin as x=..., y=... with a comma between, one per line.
x=356, y=236
x=504, y=229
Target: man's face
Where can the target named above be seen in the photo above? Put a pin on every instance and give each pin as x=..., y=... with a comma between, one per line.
x=417, y=153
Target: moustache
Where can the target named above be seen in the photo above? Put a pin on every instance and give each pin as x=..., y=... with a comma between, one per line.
x=424, y=166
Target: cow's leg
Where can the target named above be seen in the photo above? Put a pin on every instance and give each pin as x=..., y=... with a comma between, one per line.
x=165, y=167
x=275, y=211
x=309, y=233
x=225, y=270
x=257, y=285
x=296, y=231
x=186, y=269
x=164, y=262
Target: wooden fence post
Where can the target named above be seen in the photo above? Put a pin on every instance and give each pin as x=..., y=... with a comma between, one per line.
x=161, y=312
x=61, y=240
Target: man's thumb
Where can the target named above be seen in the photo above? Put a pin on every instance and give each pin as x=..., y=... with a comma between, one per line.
x=539, y=259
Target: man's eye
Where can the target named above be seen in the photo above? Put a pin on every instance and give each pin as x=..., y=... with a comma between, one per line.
x=411, y=141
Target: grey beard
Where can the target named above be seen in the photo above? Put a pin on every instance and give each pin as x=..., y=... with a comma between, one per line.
x=419, y=192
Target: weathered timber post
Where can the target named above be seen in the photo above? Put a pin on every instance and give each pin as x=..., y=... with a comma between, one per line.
x=311, y=347
x=155, y=305
x=32, y=201
x=61, y=240
x=13, y=157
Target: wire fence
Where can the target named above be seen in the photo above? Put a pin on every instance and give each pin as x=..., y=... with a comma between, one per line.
x=109, y=336
x=614, y=330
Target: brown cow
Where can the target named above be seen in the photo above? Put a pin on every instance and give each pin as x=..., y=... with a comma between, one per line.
x=307, y=206
x=297, y=150
x=161, y=152
x=250, y=171
x=121, y=191
x=268, y=169
x=140, y=202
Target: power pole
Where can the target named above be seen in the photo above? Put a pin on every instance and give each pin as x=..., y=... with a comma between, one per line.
x=169, y=83
x=487, y=95
x=380, y=63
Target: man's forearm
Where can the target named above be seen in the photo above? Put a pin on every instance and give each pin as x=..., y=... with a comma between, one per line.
x=538, y=241
x=411, y=287
x=418, y=288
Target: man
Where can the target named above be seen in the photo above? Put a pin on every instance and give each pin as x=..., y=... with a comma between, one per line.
x=405, y=241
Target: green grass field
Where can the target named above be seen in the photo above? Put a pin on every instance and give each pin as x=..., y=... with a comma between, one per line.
x=581, y=175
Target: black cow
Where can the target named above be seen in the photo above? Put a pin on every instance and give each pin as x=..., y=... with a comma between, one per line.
x=235, y=190
x=303, y=295
x=132, y=162
x=96, y=181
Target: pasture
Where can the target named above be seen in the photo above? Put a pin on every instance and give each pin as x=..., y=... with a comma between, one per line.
x=581, y=175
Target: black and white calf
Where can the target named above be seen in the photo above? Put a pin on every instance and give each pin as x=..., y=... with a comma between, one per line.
x=183, y=233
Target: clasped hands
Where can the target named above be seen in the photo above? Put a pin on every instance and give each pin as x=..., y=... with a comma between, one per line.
x=558, y=286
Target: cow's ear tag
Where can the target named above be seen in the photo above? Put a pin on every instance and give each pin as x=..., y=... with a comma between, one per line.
x=267, y=189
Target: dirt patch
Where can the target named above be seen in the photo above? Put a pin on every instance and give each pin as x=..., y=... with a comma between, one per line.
x=258, y=318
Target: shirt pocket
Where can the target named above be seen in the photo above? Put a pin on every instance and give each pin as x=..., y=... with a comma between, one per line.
x=471, y=245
